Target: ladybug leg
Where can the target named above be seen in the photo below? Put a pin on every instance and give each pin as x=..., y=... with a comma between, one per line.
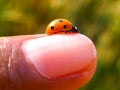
x=66, y=31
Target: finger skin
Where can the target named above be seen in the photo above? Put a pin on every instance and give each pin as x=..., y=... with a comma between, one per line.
x=17, y=74
x=11, y=61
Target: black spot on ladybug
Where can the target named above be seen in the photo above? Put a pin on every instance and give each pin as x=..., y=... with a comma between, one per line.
x=52, y=27
x=60, y=20
x=64, y=26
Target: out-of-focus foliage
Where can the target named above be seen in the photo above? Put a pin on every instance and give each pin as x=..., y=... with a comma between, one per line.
x=97, y=19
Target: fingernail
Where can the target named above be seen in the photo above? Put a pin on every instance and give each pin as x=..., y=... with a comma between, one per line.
x=59, y=55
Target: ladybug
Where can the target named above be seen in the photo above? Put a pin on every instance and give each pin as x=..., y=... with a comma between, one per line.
x=59, y=26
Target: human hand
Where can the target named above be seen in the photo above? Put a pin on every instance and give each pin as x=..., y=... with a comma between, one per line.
x=40, y=62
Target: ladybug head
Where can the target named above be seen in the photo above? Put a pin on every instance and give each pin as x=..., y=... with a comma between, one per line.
x=74, y=28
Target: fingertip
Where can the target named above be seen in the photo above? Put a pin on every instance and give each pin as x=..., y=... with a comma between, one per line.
x=63, y=55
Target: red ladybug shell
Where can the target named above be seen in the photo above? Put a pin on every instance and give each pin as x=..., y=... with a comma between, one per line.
x=60, y=26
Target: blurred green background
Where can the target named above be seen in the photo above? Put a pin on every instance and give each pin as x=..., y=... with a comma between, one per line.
x=97, y=19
